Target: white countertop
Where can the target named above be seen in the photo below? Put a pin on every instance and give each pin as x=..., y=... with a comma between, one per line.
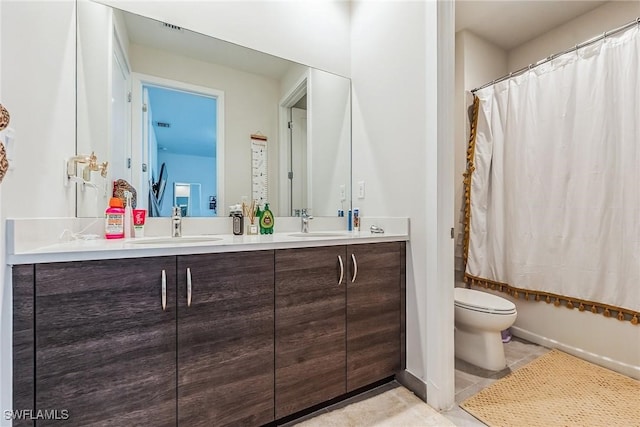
x=42, y=251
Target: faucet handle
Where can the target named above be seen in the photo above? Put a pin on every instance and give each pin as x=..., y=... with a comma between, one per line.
x=103, y=169
x=376, y=229
x=176, y=211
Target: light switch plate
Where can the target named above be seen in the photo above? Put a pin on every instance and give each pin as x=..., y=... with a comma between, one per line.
x=343, y=193
x=360, y=189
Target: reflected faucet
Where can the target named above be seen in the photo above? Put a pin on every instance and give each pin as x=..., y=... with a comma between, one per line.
x=92, y=165
x=176, y=222
x=304, y=221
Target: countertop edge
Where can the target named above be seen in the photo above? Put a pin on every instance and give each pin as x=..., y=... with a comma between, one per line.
x=101, y=250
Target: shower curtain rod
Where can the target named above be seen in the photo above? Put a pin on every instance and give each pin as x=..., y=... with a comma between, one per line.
x=554, y=56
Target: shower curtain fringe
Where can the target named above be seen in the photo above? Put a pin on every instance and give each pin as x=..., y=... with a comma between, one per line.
x=622, y=314
x=467, y=181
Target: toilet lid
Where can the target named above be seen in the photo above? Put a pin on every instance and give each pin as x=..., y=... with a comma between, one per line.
x=482, y=301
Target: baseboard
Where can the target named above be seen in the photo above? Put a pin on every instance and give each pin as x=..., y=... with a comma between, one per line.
x=413, y=383
x=614, y=365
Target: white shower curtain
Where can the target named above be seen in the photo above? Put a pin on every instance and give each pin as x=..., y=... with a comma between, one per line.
x=555, y=191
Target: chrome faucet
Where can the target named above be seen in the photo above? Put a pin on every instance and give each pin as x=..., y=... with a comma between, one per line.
x=176, y=222
x=304, y=221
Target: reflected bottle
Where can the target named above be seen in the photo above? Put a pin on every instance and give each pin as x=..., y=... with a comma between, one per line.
x=238, y=223
x=266, y=220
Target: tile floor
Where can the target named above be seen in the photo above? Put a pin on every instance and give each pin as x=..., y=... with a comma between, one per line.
x=470, y=379
x=392, y=405
x=389, y=405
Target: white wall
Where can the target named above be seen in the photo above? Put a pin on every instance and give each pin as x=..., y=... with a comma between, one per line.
x=607, y=17
x=400, y=100
x=38, y=87
x=606, y=341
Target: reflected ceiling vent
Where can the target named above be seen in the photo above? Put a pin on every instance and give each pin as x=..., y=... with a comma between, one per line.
x=163, y=124
x=171, y=27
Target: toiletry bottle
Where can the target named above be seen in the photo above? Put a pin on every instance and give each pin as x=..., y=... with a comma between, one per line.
x=114, y=219
x=266, y=220
x=356, y=220
x=128, y=216
x=238, y=220
x=349, y=226
x=139, y=216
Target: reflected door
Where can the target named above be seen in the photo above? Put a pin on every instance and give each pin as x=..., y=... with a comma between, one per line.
x=298, y=175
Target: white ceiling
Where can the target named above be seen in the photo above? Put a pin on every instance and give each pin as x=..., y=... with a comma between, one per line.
x=510, y=23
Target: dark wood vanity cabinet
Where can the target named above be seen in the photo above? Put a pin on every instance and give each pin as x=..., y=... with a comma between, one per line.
x=225, y=339
x=105, y=348
x=239, y=338
x=338, y=321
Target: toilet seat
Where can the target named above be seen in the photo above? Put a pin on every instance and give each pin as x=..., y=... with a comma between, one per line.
x=483, y=302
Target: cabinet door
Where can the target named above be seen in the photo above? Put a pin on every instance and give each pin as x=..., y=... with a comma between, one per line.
x=225, y=339
x=23, y=345
x=105, y=348
x=373, y=313
x=310, y=327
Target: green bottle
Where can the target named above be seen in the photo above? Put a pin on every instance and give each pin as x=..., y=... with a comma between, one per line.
x=266, y=220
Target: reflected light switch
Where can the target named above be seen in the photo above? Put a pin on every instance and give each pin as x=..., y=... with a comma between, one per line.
x=361, y=190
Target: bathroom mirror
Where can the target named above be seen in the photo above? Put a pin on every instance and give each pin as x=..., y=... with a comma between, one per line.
x=220, y=99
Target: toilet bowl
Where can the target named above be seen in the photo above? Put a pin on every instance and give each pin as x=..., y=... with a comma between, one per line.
x=479, y=319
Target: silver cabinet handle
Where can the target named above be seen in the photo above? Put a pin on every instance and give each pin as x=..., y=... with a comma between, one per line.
x=341, y=270
x=164, y=290
x=355, y=268
x=188, y=287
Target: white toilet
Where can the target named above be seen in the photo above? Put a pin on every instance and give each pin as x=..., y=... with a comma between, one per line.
x=479, y=319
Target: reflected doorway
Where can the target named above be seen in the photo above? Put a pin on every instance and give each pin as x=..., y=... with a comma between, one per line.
x=295, y=170
x=182, y=144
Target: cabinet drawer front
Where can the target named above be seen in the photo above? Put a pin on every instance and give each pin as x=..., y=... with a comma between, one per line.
x=105, y=348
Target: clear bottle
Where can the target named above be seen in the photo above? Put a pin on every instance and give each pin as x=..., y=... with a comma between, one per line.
x=114, y=219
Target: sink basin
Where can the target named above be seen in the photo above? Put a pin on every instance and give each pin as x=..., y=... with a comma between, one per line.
x=319, y=234
x=174, y=240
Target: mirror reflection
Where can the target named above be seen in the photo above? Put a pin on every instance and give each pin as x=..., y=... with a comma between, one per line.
x=192, y=121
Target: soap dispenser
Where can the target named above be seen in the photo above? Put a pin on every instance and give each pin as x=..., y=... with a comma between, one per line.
x=266, y=220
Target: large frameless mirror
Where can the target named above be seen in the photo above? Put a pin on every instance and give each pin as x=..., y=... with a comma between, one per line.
x=166, y=106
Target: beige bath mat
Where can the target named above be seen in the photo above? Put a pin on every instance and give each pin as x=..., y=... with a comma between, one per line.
x=558, y=389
